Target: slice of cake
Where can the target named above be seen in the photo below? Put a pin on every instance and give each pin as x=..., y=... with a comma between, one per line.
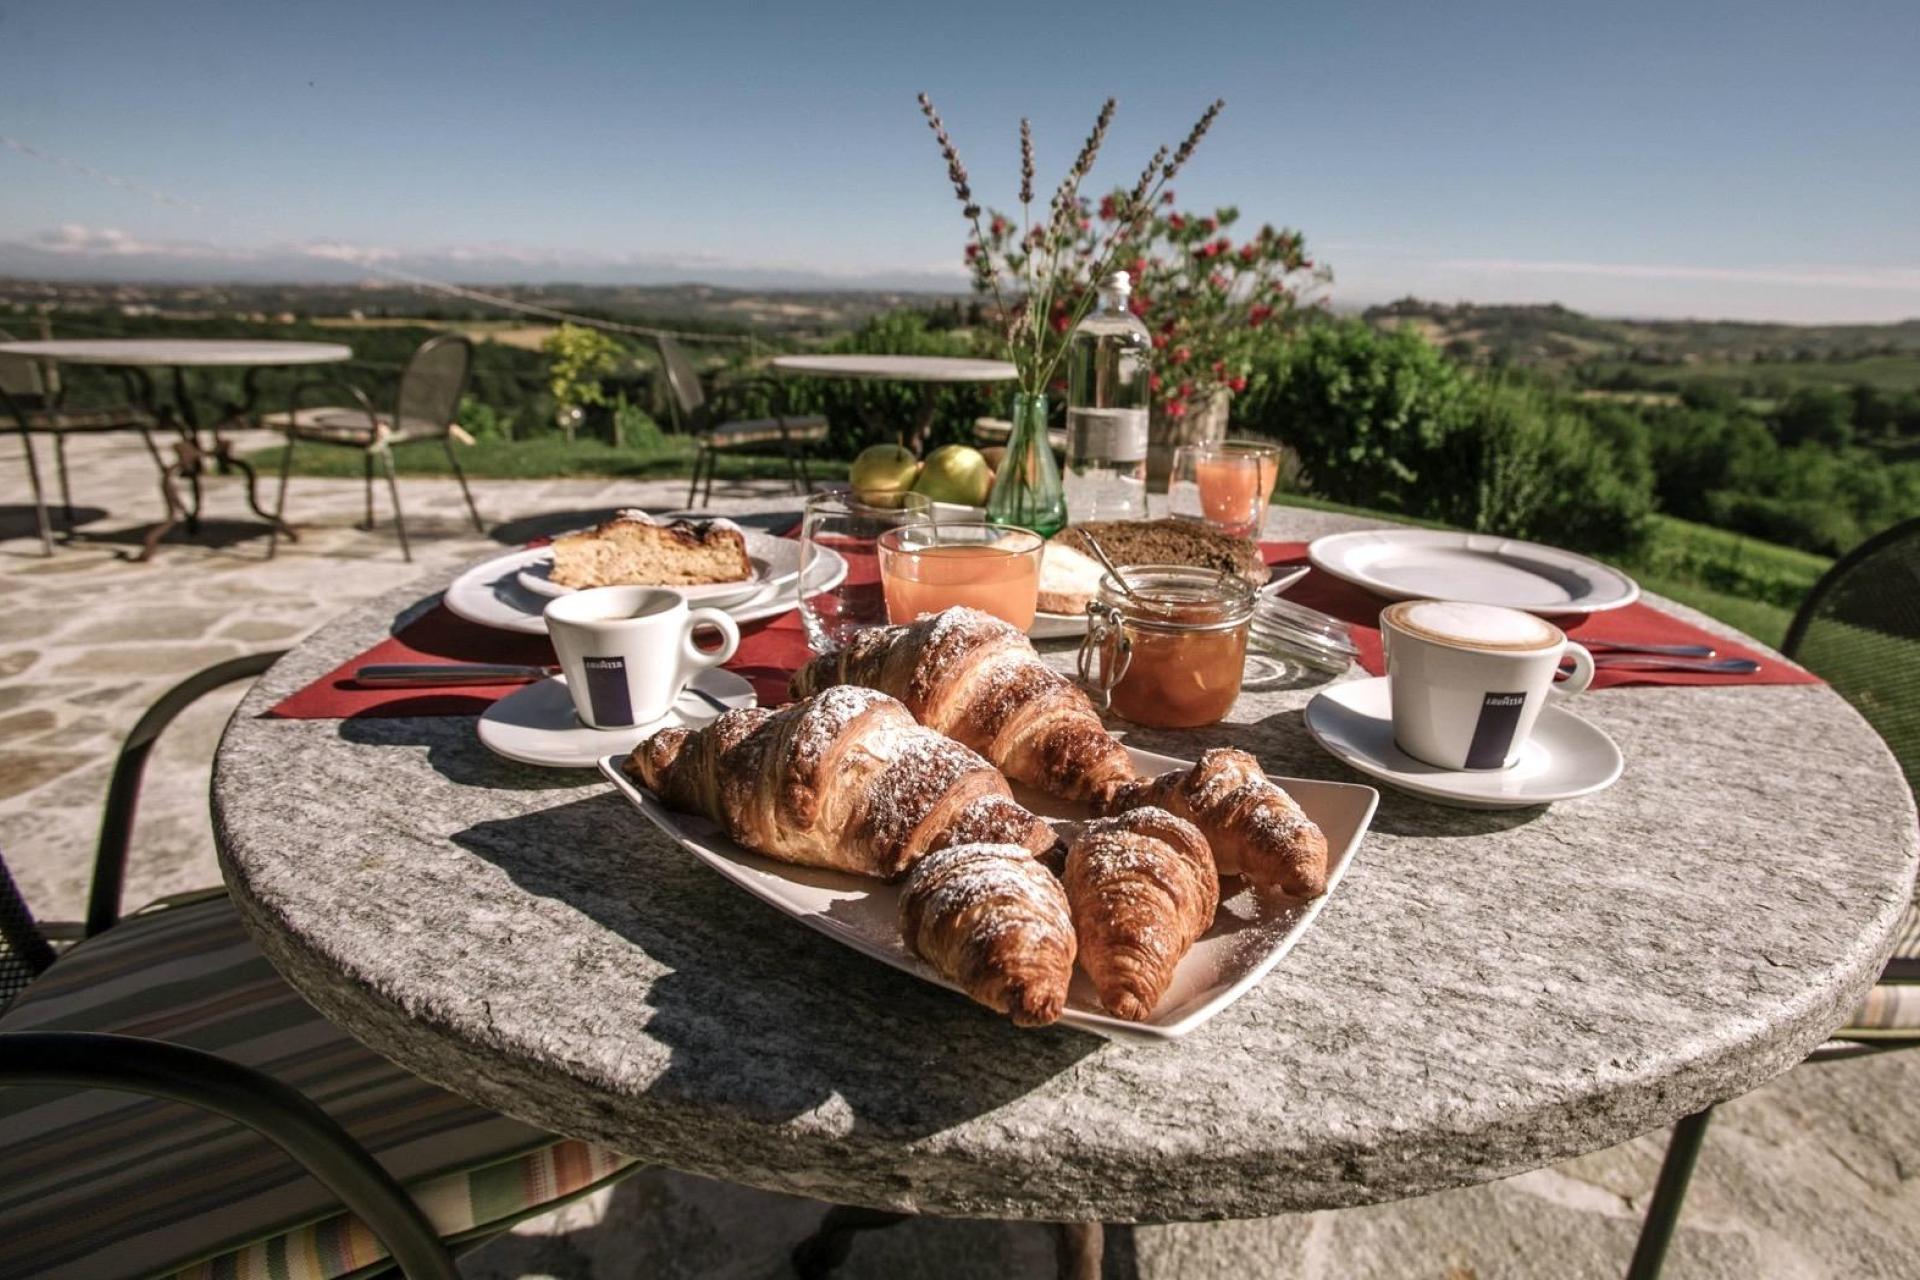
x=635, y=550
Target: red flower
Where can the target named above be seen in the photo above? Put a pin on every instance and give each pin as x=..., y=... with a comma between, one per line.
x=998, y=226
x=1209, y=225
x=1181, y=355
x=1086, y=224
x=1260, y=314
x=1219, y=368
x=1139, y=268
x=1107, y=211
x=1153, y=382
x=1166, y=197
x=1176, y=408
x=1218, y=281
x=1236, y=385
x=1248, y=253
x=1159, y=341
x=973, y=251
x=1177, y=222
x=1186, y=391
x=1137, y=305
x=1060, y=320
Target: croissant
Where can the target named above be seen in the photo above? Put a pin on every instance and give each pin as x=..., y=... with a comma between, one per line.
x=1255, y=828
x=1143, y=889
x=977, y=679
x=994, y=921
x=846, y=780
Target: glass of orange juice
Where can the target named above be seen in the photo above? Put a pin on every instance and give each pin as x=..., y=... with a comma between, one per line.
x=1227, y=485
x=929, y=567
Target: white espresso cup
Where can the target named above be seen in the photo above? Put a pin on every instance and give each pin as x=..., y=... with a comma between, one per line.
x=1467, y=681
x=628, y=652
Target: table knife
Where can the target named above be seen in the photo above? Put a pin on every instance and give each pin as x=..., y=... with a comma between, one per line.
x=1655, y=662
x=393, y=675
x=1665, y=650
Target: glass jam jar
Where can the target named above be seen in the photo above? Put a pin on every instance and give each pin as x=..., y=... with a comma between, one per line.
x=1171, y=651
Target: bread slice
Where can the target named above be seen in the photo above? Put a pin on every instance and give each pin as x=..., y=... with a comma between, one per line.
x=1069, y=579
x=1166, y=541
x=635, y=550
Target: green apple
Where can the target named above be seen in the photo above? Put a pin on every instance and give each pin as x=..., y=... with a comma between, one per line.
x=884, y=468
x=956, y=473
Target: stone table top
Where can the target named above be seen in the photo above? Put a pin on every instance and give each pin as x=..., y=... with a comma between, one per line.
x=899, y=368
x=1485, y=993
x=180, y=352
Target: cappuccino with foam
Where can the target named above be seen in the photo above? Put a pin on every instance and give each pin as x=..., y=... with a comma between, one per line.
x=1467, y=681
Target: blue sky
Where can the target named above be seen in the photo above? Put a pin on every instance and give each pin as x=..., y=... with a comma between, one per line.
x=1754, y=160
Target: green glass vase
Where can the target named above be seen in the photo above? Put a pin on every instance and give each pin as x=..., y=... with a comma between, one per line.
x=1026, y=490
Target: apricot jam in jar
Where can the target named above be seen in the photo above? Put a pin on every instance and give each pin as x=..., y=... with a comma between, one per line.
x=1170, y=650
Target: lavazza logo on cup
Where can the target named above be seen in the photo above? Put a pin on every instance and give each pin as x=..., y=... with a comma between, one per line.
x=607, y=690
x=1494, y=732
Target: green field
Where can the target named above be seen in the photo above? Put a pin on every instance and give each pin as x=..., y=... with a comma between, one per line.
x=1886, y=372
x=541, y=458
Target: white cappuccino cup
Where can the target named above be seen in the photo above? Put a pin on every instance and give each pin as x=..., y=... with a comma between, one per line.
x=628, y=652
x=1467, y=681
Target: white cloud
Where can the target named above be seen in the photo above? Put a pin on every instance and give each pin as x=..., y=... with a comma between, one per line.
x=76, y=240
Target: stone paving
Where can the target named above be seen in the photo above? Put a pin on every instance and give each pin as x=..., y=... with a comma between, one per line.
x=1814, y=1175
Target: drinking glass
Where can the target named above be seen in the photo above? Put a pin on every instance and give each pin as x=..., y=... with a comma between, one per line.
x=1228, y=485
x=849, y=523
x=929, y=567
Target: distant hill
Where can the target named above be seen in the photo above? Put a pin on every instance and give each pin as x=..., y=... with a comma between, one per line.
x=1553, y=336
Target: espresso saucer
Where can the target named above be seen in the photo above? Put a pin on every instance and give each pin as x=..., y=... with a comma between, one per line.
x=1566, y=757
x=537, y=725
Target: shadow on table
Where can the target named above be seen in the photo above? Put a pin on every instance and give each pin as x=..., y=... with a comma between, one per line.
x=518, y=533
x=453, y=749
x=764, y=1017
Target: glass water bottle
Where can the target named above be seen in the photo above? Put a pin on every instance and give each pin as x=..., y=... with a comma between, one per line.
x=1109, y=358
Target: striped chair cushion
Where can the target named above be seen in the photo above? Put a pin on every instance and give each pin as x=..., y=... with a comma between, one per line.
x=350, y=426
x=1892, y=1009
x=99, y=1184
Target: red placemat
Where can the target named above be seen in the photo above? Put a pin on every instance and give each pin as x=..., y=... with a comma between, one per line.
x=772, y=650
x=1641, y=623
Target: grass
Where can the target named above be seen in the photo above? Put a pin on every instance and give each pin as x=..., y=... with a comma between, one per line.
x=541, y=458
x=1743, y=582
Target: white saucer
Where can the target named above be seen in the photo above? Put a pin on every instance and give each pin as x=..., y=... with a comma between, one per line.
x=537, y=725
x=1566, y=757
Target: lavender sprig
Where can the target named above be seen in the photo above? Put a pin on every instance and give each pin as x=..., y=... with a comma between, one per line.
x=1199, y=131
x=1026, y=161
x=956, y=172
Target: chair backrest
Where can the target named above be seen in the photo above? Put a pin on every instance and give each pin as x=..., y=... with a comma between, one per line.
x=689, y=400
x=24, y=950
x=433, y=382
x=1859, y=629
x=19, y=376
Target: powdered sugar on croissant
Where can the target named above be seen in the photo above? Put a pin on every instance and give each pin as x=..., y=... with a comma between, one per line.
x=995, y=922
x=977, y=680
x=1143, y=890
x=846, y=780
x=1255, y=828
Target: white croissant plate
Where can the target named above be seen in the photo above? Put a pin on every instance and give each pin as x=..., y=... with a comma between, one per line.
x=1250, y=934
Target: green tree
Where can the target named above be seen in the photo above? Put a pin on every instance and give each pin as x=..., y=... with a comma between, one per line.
x=1816, y=415
x=577, y=359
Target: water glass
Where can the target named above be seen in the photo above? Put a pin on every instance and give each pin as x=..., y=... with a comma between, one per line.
x=849, y=523
x=1227, y=485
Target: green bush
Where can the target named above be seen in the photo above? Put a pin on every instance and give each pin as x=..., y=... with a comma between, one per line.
x=1383, y=420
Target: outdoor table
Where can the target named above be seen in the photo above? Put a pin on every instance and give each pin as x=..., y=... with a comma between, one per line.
x=140, y=357
x=930, y=372
x=1485, y=992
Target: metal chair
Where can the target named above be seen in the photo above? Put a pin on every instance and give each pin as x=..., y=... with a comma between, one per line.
x=32, y=406
x=710, y=418
x=1859, y=629
x=196, y=1016
x=425, y=408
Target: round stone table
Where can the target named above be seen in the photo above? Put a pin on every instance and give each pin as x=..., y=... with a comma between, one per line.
x=930, y=372
x=1485, y=993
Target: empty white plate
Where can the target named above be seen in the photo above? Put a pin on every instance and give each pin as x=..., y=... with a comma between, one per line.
x=1479, y=568
x=1565, y=757
x=1251, y=931
x=537, y=725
